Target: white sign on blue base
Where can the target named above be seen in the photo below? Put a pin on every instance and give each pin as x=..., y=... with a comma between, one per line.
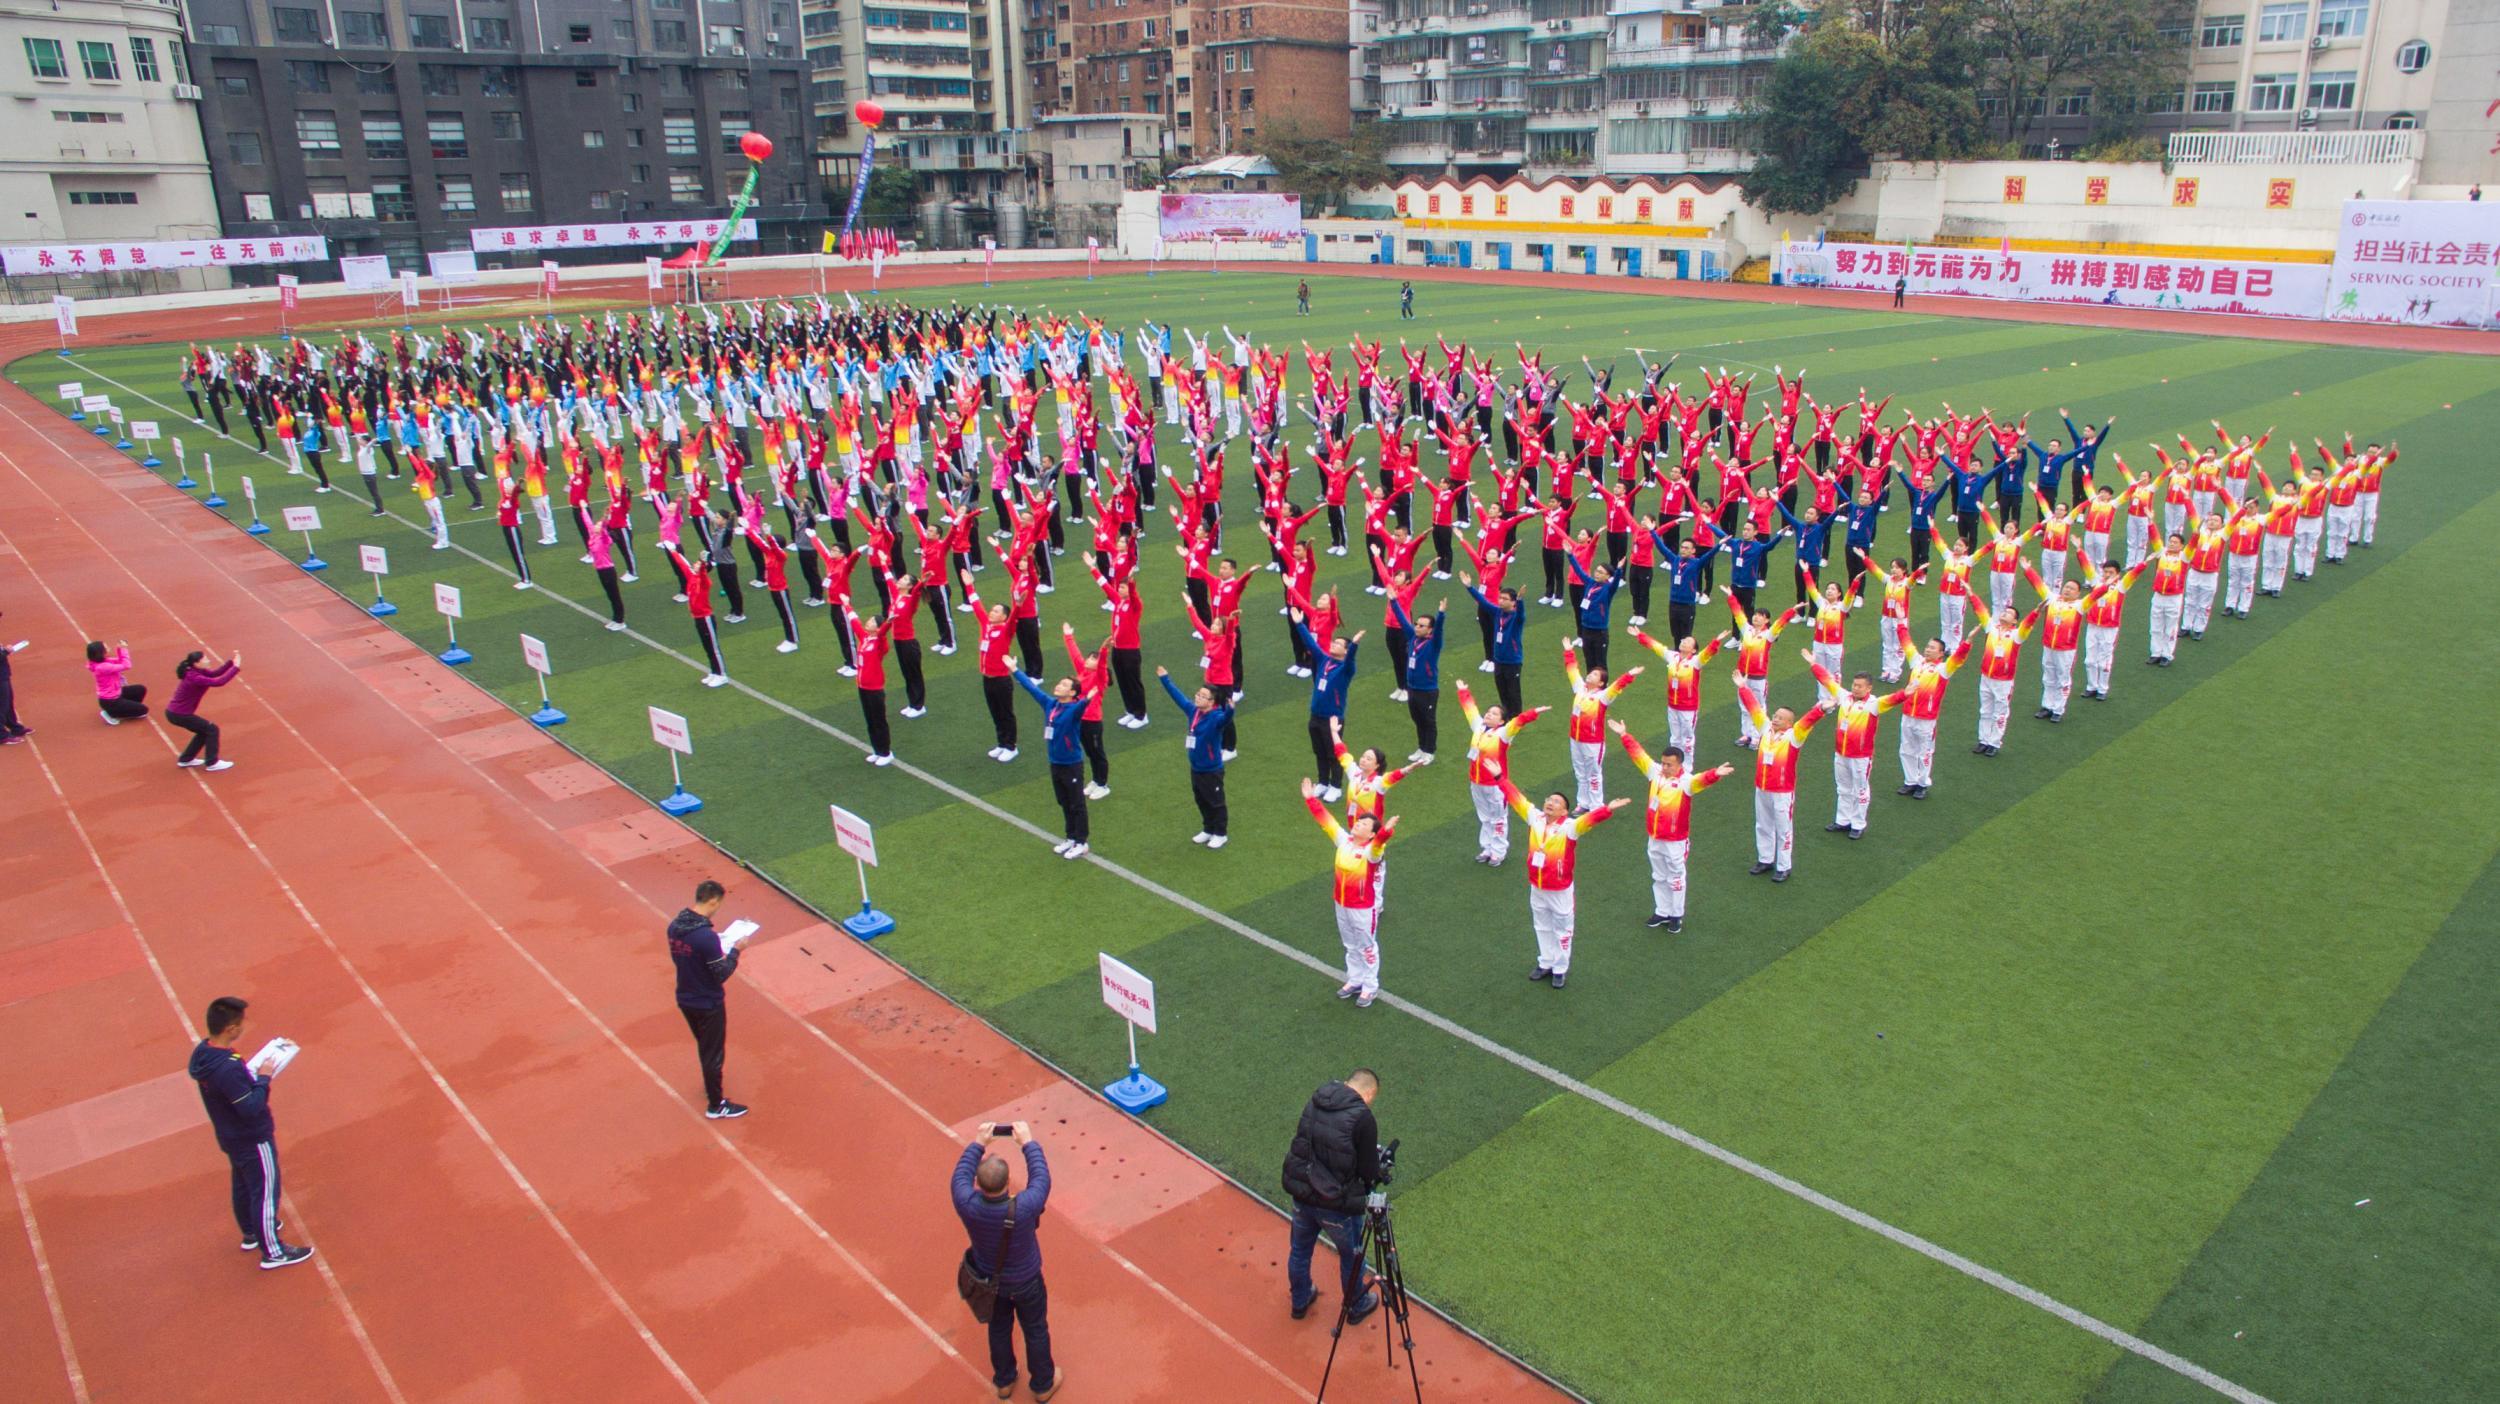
x=1132, y=997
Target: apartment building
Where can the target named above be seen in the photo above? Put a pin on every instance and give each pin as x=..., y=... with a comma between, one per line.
x=394, y=126
x=955, y=80
x=108, y=145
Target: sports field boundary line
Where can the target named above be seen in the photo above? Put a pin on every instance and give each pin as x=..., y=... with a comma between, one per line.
x=43, y=1268
x=1926, y=1248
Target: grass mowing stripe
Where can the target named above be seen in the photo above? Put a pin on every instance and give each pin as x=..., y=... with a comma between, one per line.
x=1934, y=1252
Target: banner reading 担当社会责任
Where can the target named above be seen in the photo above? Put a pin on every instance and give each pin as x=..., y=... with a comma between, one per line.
x=1246, y=217
x=2022, y=275
x=2418, y=262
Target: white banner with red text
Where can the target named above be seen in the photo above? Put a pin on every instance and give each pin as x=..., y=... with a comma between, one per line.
x=2429, y=263
x=51, y=260
x=2114, y=280
x=604, y=236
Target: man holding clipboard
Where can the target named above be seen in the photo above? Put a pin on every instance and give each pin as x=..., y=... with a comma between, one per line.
x=236, y=1094
x=705, y=960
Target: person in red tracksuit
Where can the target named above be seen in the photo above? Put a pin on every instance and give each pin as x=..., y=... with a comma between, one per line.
x=870, y=642
x=776, y=559
x=1093, y=675
x=508, y=516
x=699, y=608
x=998, y=683
x=907, y=590
x=1218, y=636
x=1127, y=652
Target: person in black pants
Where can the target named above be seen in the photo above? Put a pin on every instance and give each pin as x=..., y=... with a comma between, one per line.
x=12, y=731
x=1063, y=709
x=1003, y=1232
x=703, y=969
x=236, y=1095
x=1206, y=717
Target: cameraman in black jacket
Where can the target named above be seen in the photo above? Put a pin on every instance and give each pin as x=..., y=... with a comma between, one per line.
x=1330, y=1169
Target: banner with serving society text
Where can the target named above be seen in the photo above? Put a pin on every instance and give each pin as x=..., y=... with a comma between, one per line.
x=2428, y=263
x=2114, y=280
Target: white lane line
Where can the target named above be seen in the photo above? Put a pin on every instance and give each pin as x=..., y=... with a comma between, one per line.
x=2124, y=1340
x=43, y=1270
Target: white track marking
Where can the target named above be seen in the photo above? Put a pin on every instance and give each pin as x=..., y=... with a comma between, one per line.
x=1932, y=1251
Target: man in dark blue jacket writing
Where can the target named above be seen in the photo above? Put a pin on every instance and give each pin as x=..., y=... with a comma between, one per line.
x=1004, y=1231
x=237, y=1097
x=703, y=969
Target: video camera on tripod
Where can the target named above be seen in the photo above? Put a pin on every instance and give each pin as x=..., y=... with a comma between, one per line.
x=1387, y=1273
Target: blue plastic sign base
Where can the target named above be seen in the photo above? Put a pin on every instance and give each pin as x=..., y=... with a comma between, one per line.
x=680, y=804
x=213, y=500
x=1136, y=1092
x=548, y=716
x=315, y=563
x=381, y=609
x=869, y=924
x=455, y=655
x=152, y=461
x=102, y=430
x=78, y=415
x=257, y=528
x=121, y=441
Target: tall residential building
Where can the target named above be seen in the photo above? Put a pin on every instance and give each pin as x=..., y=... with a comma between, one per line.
x=1679, y=80
x=394, y=126
x=110, y=143
x=1265, y=58
x=952, y=76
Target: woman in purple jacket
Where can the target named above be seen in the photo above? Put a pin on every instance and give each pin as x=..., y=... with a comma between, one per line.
x=192, y=680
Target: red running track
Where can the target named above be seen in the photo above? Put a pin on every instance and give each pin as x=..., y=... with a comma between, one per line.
x=493, y=1136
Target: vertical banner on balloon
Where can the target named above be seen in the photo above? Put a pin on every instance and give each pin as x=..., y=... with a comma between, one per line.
x=757, y=148
x=870, y=116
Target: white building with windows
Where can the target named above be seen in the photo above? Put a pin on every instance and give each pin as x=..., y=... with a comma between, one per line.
x=105, y=137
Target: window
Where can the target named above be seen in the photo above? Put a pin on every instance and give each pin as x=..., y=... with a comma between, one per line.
x=143, y=59
x=306, y=76
x=498, y=81
x=2169, y=100
x=622, y=31
x=65, y=115
x=2413, y=57
x=2331, y=91
x=490, y=33
x=181, y=61
x=685, y=187
x=104, y=197
x=632, y=101
x=505, y=126
x=601, y=200
x=317, y=133
x=385, y=138
x=296, y=24
x=593, y=138
x=243, y=148
x=231, y=36
x=99, y=58
x=379, y=81
x=677, y=136
x=577, y=33
x=2074, y=104
x=392, y=202
x=2402, y=121
x=363, y=29
x=1230, y=61
x=439, y=79
x=642, y=174
x=447, y=136
x=1248, y=97
x=2212, y=97
x=668, y=34
x=455, y=197
x=2273, y=92
x=516, y=192
x=1991, y=106
x=234, y=85
x=633, y=137
x=585, y=77
x=2342, y=19
x=734, y=125
x=2222, y=32
x=2283, y=22
x=44, y=57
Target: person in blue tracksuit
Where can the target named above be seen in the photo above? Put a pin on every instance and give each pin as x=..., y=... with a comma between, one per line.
x=1684, y=568
x=1814, y=546
x=236, y=1095
x=1751, y=554
x=1207, y=719
x=1970, y=498
x=308, y=438
x=1063, y=712
x=1505, y=622
x=2085, y=455
x=1597, y=606
x=1423, y=677
x=1923, y=513
x=1863, y=514
x=1331, y=679
x=2009, y=476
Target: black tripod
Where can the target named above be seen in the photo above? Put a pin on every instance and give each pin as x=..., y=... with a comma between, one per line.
x=1395, y=1328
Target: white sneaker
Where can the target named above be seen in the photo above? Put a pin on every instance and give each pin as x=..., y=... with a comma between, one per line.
x=847, y=671
x=995, y=752
x=715, y=679
x=1333, y=794
x=1640, y=618
x=1485, y=667
x=1046, y=589
x=585, y=558
x=616, y=626
x=1095, y=792
x=1230, y=755
x=1219, y=840
x=880, y=760
x=786, y=646
x=1075, y=850
x=520, y=584
x=186, y=764
x=1397, y=695
x=679, y=597
x=737, y=619
x=1416, y=758
x=221, y=765
x=629, y=577
x=1006, y=755
x=1062, y=846
x=944, y=650
x=1200, y=837
x=109, y=719
x=915, y=711
x=442, y=545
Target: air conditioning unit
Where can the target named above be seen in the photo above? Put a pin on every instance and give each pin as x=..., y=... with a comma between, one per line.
x=2317, y=41
x=1392, y=109
x=2309, y=116
x=187, y=92
x=1640, y=109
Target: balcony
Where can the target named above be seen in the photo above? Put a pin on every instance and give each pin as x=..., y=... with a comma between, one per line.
x=1691, y=55
x=2290, y=148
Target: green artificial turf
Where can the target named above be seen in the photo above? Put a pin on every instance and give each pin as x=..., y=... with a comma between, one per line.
x=2117, y=970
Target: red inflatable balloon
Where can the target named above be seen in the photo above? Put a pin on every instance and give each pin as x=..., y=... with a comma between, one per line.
x=756, y=145
x=869, y=113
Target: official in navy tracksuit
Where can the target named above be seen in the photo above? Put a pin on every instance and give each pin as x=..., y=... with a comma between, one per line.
x=237, y=1098
x=1751, y=556
x=1862, y=514
x=703, y=969
x=1423, y=679
x=2086, y=456
x=1923, y=513
x=1814, y=545
x=1505, y=624
x=1597, y=606
x=1684, y=568
x=1970, y=495
x=1332, y=677
x=1207, y=719
x=1063, y=709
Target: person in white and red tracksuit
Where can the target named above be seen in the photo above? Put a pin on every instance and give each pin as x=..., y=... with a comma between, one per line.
x=1782, y=734
x=237, y=1097
x=1553, y=844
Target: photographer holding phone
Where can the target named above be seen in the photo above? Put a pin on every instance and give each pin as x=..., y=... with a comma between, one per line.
x=1004, y=1263
x=1329, y=1171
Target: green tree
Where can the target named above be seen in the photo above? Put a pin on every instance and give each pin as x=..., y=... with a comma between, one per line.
x=1322, y=166
x=2109, y=54
x=892, y=193
x=1866, y=78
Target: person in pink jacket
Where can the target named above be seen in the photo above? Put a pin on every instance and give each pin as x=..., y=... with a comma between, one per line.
x=193, y=677
x=116, y=701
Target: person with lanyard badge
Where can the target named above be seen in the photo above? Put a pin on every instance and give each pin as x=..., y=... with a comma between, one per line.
x=1205, y=719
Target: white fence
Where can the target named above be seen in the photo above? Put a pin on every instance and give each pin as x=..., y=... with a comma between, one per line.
x=2295, y=148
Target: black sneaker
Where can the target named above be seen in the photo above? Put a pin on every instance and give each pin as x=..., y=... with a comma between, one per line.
x=725, y=1111
x=1304, y=1309
x=1979, y=748
x=1835, y=827
x=1906, y=789
x=288, y=1255
x=1857, y=833
x=1558, y=979
x=1780, y=876
x=1918, y=792
x=1674, y=925
x=1660, y=920
x=1541, y=973
x=1361, y=1311
x=1759, y=869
